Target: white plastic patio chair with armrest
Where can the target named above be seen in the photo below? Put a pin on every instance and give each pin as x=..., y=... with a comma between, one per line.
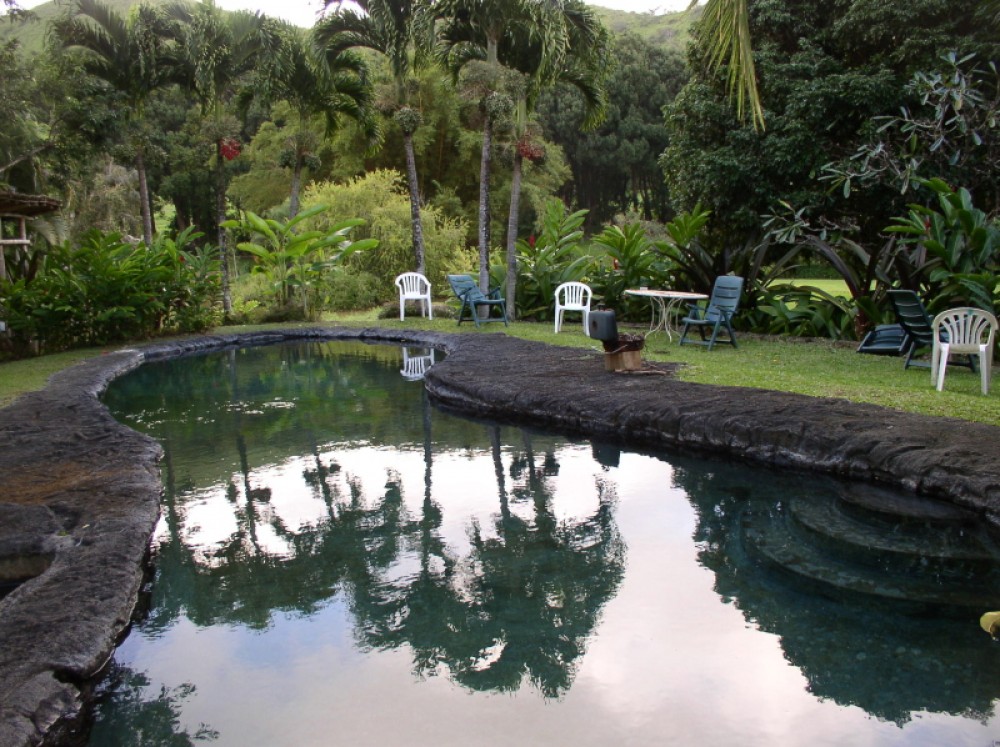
x=416, y=361
x=573, y=297
x=965, y=331
x=414, y=287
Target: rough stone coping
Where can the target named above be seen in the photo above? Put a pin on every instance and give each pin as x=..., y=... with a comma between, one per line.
x=79, y=492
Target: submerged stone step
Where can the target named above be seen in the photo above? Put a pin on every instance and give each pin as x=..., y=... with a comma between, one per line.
x=894, y=505
x=924, y=539
x=770, y=538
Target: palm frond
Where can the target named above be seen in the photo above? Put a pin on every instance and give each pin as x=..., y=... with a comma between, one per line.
x=728, y=29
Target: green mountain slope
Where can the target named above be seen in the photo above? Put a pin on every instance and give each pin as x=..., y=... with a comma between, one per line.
x=670, y=30
x=31, y=33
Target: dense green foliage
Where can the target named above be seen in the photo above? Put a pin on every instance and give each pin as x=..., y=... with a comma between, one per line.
x=105, y=290
x=826, y=70
x=877, y=161
x=549, y=259
x=614, y=166
x=298, y=263
x=380, y=200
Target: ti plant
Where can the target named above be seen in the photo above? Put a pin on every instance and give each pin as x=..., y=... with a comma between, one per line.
x=952, y=249
x=548, y=260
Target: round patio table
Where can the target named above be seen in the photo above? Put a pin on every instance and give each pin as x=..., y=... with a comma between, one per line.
x=663, y=303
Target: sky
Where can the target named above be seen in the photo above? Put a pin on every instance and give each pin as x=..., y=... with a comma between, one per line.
x=303, y=12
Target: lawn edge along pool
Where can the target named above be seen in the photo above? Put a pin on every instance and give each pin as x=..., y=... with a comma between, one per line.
x=80, y=492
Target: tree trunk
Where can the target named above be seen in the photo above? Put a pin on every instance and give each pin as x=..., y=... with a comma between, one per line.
x=484, y=208
x=293, y=200
x=220, y=217
x=144, y=206
x=415, y=222
x=512, y=223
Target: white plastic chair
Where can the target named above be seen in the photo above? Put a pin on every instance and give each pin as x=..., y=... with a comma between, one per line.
x=414, y=287
x=962, y=331
x=573, y=297
x=416, y=365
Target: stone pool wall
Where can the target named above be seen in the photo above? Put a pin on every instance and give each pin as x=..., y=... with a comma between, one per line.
x=79, y=492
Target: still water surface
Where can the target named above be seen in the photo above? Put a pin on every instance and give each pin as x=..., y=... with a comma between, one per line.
x=340, y=563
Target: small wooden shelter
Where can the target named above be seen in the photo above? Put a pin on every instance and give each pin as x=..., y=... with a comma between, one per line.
x=18, y=207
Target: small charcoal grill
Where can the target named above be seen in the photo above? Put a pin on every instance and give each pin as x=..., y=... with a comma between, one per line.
x=622, y=352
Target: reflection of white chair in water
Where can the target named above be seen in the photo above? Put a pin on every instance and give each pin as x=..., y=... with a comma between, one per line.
x=966, y=331
x=414, y=287
x=415, y=366
x=573, y=297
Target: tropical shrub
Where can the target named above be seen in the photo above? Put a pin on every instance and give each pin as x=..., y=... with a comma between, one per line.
x=802, y=311
x=547, y=260
x=295, y=263
x=688, y=264
x=106, y=290
x=950, y=252
x=348, y=290
x=628, y=259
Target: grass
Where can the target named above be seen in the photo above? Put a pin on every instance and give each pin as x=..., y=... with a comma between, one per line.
x=18, y=377
x=833, y=286
x=819, y=368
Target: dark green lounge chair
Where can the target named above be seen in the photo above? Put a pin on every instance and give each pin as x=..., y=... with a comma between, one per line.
x=885, y=339
x=717, y=315
x=914, y=319
x=467, y=290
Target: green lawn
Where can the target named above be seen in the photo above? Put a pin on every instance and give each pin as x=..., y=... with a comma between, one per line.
x=817, y=368
x=833, y=286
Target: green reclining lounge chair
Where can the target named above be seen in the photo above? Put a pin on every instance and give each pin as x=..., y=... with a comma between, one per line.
x=716, y=315
x=885, y=339
x=916, y=322
x=467, y=290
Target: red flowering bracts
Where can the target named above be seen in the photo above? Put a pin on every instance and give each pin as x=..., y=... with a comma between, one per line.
x=229, y=148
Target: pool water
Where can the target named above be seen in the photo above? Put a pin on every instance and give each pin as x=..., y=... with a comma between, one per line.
x=338, y=562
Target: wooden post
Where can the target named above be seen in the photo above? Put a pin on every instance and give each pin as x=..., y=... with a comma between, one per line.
x=626, y=360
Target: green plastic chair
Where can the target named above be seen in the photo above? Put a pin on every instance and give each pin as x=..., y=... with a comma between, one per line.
x=914, y=319
x=885, y=339
x=466, y=289
x=718, y=314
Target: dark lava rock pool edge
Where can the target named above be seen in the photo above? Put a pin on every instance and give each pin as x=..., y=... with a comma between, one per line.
x=79, y=492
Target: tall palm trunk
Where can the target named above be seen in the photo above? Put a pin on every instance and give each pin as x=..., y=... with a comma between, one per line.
x=293, y=200
x=484, y=208
x=512, y=225
x=415, y=222
x=484, y=186
x=144, y=206
x=220, y=218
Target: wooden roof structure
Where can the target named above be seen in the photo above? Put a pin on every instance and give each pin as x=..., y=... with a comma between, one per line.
x=21, y=207
x=17, y=205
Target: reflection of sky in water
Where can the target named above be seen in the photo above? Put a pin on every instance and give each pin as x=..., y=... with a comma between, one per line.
x=210, y=520
x=667, y=663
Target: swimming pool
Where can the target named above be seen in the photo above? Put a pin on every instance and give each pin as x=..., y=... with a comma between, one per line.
x=339, y=562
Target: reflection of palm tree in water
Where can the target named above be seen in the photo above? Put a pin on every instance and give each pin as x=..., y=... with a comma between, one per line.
x=520, y=606
x=540, y=587
x=890, y=658
x=141, y=720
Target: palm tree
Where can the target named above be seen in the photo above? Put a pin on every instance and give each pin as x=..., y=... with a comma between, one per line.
x=471, y=36
x=573, y=49
x=130, y=55
x=329, y=82
x=395, y=29
x=221, y=53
